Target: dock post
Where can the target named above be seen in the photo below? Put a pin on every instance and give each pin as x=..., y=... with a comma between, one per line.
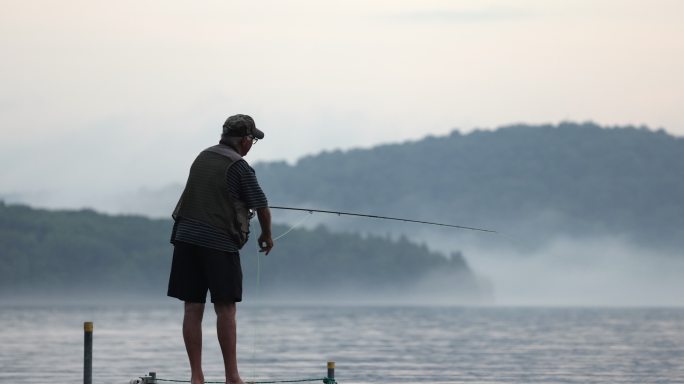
x=88, y=352
x=331, y=373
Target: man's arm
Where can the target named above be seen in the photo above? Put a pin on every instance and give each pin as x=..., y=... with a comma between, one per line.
x=265, y=239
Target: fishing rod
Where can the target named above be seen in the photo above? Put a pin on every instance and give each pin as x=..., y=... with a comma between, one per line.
x=340, y=213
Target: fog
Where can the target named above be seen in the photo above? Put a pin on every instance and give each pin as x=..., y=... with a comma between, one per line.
x=532, y=263
x=549, y=270
x=599, y=271
x=605, y=271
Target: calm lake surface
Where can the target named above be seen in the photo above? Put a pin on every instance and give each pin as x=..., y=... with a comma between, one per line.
x=370, y=344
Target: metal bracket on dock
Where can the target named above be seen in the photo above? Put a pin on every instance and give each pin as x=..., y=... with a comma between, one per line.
x=151, y=378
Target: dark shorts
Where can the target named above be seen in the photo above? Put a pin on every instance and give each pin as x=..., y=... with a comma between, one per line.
x=196, y=269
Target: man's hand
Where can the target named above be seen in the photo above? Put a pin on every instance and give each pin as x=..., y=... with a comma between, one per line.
x=265, y=240
x=265, y=243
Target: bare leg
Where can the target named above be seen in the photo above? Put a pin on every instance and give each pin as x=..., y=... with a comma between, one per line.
x=192, y=335
x=226, y=327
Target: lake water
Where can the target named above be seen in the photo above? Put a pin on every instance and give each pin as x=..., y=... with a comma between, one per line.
x=369, y=344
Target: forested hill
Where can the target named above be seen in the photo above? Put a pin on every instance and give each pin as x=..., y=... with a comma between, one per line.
x=567, y=179
x=47, y=252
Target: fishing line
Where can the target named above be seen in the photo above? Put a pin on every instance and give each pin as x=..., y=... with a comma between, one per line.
x=258, y=287
x=300, y=222
x=254, y=323
x=339, y=213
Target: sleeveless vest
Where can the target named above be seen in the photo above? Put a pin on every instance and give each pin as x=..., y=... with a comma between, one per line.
x=206, y=197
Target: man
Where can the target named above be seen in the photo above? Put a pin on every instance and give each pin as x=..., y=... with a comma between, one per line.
x=211, y=226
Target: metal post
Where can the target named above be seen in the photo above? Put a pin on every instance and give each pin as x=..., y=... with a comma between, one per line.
x=88, y=353
x=331, y=372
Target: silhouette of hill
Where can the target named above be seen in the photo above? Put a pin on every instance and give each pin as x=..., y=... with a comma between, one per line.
x=46, y=252
x=539, y=181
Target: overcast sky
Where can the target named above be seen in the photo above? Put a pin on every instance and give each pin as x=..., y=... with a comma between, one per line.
x=101, y=96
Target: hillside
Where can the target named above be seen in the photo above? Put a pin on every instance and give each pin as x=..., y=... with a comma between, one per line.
x=534, y=184
x=537, y=181
x=46, y=252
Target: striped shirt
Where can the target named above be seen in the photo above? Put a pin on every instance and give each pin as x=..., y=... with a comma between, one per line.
x=243, y=186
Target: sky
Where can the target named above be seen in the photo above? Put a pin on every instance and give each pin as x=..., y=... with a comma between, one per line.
x=100, y=97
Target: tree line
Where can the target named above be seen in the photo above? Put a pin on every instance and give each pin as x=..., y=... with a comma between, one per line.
x=43, y=251
x=565, y=179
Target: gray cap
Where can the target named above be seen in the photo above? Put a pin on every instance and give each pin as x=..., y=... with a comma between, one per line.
x=241, y=125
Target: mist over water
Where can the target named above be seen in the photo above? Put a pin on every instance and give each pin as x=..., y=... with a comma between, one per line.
x=563, y=271
x=542, y=270
x=512, y=267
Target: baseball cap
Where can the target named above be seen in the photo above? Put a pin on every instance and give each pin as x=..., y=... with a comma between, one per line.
x=241, y=125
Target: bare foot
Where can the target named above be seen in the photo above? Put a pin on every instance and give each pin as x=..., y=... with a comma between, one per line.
x=197, y=380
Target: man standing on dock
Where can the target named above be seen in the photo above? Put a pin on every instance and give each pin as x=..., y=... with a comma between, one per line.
x=211, y=226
